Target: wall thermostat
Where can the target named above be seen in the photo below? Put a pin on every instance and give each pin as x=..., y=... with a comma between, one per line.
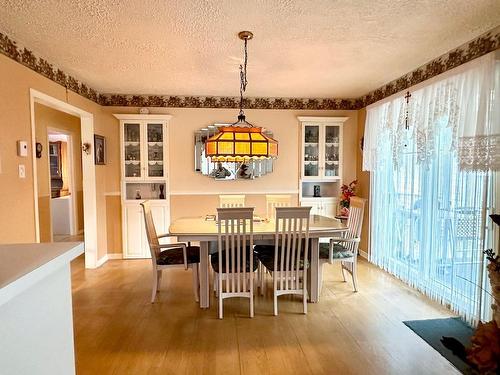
x=22, y=148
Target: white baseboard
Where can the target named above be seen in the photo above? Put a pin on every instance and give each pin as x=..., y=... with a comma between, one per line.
x=364, y=254
x=115, y=256
x=101, y=261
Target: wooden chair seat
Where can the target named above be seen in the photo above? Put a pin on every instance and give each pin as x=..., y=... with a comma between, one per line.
x=176, y=256
x=261, y=248
x=215, y=262
x=265, y=254
x=338, y=251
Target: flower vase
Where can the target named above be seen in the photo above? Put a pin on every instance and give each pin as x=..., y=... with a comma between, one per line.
x=344, y=211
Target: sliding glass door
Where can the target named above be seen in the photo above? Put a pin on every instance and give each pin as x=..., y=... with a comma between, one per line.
x=428, y=223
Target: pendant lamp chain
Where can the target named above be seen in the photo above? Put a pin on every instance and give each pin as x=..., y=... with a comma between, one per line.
x=243, y=78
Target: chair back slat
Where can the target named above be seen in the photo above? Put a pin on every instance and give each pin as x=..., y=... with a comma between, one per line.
x=273, y=201
x=291, y=247
x=154, y=245
x=230, y=201
x=235, y=234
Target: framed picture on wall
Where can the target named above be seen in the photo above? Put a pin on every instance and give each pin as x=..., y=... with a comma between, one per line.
x=99, y=150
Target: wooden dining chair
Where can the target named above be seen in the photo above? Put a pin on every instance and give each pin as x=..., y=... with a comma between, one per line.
x=273, y=201
x=228, y=201
x=344, y=249
x=287, y=261
x=170, y=255
x=234, y=265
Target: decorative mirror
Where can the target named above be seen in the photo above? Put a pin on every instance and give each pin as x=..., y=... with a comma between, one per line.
x=227, y=170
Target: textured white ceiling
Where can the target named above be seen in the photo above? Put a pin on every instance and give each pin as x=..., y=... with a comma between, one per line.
x=302, y=48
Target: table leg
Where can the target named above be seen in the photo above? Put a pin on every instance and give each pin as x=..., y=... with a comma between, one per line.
x=314, y=270
x=204, y=276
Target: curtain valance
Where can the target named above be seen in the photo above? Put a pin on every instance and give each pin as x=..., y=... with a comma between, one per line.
x=467, y=102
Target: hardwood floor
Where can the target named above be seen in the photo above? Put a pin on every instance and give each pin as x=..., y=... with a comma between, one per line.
x=118, y=330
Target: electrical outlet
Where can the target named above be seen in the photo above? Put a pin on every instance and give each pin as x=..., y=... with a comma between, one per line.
x=22, y=171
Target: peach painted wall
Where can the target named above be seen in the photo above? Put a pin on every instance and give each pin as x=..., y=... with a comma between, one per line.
x=363, y=184
x=17, y=218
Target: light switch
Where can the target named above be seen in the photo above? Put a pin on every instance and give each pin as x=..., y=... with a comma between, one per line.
x=22, y=171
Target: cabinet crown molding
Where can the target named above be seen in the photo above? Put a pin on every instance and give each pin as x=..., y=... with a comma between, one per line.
x=322, y=119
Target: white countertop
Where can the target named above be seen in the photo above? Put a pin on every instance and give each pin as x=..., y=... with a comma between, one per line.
x=22, y=265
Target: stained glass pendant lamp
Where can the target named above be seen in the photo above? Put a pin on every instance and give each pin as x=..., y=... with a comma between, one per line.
x=241, y=141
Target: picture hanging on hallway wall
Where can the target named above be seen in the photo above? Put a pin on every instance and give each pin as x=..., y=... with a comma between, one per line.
x=99, y=150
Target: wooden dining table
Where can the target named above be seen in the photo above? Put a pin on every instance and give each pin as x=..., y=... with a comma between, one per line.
x=200, y=229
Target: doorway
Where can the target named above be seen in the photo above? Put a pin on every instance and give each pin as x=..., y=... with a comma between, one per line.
x=65, y=172
x=89, y=209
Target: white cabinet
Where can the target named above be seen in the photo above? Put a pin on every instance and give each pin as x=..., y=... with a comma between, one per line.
x=321, y=151
x=144, y=174
x=133, y=230
x=321, y=206
x=135, y=241
x=321, y=163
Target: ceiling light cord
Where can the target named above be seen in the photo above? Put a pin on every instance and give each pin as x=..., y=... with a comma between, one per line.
x=243, y=79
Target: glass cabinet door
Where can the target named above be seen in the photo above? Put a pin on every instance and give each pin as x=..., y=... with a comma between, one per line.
x=311, y=151
x=331, y=151
x=132, y=149
x=154, y=150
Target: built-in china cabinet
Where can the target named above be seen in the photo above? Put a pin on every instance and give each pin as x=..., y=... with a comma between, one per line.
x=321, y=163
x=144, y=176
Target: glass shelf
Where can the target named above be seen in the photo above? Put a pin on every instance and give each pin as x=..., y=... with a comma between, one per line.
x=145, y=190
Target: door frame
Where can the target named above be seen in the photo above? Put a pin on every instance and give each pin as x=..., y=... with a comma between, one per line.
x=88, y=171
x=71, y=163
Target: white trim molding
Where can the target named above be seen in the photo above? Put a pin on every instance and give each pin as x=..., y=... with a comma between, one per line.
x=138, y=116
x=363, y=254
x=113, y=256
x=88, y=170
x=101, y=261
x=112, y=194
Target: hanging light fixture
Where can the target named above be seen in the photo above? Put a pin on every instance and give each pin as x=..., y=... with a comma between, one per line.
x=241, y=141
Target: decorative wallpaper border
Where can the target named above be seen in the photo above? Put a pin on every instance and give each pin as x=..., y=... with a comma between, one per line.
x=225, y=102
x=479, y=46
x=485, y=43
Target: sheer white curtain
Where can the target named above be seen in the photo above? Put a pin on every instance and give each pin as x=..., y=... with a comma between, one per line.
x=431, y=184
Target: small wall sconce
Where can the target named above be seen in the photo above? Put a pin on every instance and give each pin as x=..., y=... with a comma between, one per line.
x=38, y=150
x=86, y=148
